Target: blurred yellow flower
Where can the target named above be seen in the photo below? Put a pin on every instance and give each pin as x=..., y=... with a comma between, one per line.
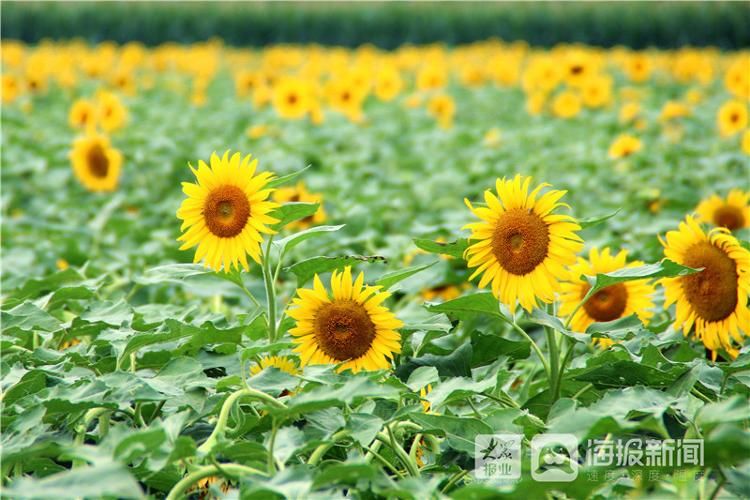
x=732, y=213
x=96, y=163
x=623, y=146
x=299, y=193
x=732, y=117
x=566, y=104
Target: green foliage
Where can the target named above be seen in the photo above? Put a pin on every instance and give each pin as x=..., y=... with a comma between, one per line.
x=634, y=24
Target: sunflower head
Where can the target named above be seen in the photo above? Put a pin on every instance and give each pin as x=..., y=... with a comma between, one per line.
x=566, y=104
x=226, y=211
x=733, y=212
x=610, y=303
x=292, y=98
x=111, y=112
x=732, y=117
x=521, y=246
x=713, y=301
x=96, y=163
x=283, y=363
x=349, y=327
x=82, y=115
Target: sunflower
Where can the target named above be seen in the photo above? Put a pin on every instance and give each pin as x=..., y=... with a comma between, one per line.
x=299, y=193
x=596, y=91
x=732, y=213
x=745, y=142
x=566, y=104
x=11, y=88
x=96, y=163
x=610, y=303
x=292, y=99
x=624, y=145
x=112, y=114
x=350, y=328
x=732, y=117
x=388, y=84
x=444, y=292
x=443, y=108
x=82, y=115
x=283, y=363
x=629, y=112
x=522, y=247
x=714, y=300
x=672, y=110
x=225, y=213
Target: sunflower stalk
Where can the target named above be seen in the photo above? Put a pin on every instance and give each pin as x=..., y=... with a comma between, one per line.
x=236, y=470
x=268, y=278
x=221, y=423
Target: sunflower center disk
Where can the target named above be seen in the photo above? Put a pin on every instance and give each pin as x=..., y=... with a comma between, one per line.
x=226, y=211
x=520, y=241
x=730, y=217
x=607, y=304
x=344, y=330
x=97, y=161
x=712, y=293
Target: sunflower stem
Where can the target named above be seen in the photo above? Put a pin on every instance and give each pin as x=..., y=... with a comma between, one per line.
x=237, y=470
x=221, y=424
x=321, y=450
x=534, y=345
x=554, y=364
x=270, y=291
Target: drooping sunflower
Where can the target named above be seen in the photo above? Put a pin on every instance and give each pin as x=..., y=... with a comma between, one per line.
x=96, y=163
x=226, y=211
x=610, y=303
x=521, y=246
x=350, y=327
x=713, y=301
x=283, y=363
x=732, y=213
x=624, y=145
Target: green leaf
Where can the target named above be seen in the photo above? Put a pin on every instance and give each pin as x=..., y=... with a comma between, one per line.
x=663, y=269
x=478, y=303
x=455, y=248
x=280, y=181
x=390, y=279
x=173, y=273
x=189, y=337
x=290, y=212
x=421, y=377
x=108, y=479
x=291, y=241
x=364, y=427
x=306, y=269
x=588, y=222
x=460, y=432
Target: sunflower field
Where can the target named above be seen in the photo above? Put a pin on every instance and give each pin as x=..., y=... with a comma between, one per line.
x=323, y=272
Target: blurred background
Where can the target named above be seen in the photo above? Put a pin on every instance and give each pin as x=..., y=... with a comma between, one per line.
x=387, y=25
